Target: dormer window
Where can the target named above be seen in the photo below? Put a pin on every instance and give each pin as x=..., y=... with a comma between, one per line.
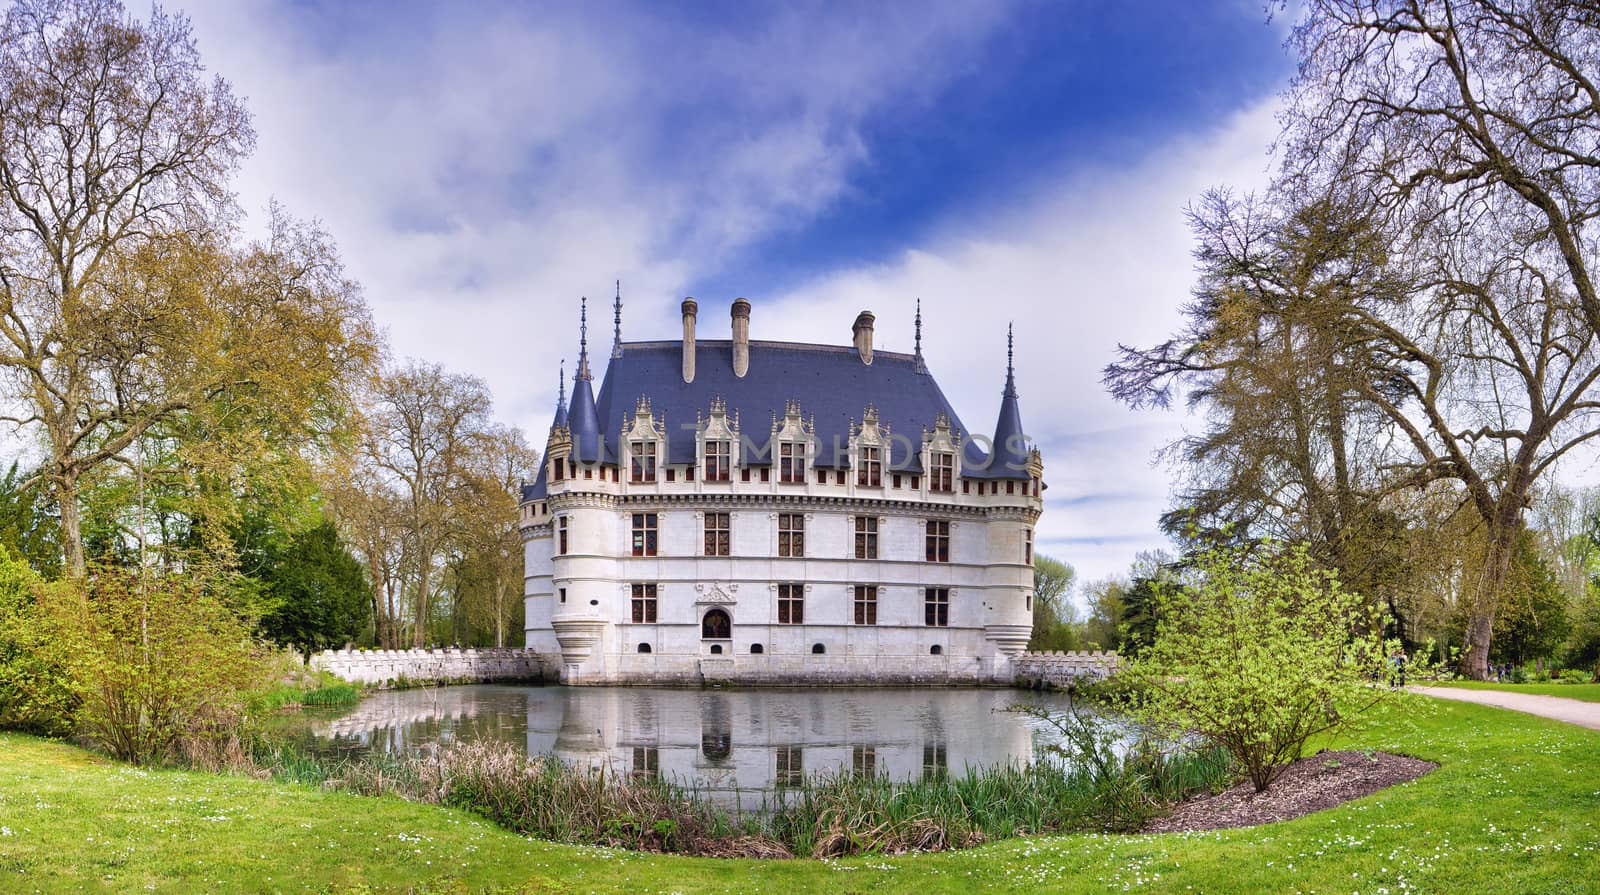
x=719, y=456
x=942, y=474
x=870, y=474
x=792, y=463
x=642, y=465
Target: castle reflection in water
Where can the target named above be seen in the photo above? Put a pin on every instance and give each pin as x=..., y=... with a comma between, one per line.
x=736, y=745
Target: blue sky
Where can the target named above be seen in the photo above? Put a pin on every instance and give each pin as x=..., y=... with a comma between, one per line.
x=484, y=164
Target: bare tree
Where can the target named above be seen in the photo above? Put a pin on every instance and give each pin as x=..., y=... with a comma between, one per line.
x=1465, y=133
x=424, y=430
x=112, y=145
x=1447, y=353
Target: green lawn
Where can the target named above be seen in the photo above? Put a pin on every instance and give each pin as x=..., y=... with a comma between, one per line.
x=1585, y=692
x=1515, y=807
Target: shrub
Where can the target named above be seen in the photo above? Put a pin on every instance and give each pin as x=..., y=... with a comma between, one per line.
x=1257, y=654
x=1575, y=676
x=159, y=666
x=34, y=691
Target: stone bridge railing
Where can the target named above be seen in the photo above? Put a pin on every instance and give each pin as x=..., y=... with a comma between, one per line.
x=1063, y=669
x=381, y=667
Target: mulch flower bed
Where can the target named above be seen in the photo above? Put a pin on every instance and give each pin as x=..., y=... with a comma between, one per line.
x=1320, y=781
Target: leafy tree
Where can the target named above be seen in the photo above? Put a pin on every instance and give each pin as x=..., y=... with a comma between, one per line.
x=27, y=528
x=1257, y=653
x=317, y=591
x=1533, y=622
x=1265, y=353
x=1053, y=622
x=487, y=572
x=1103, y=629
x=125, y=309
x=1137, y=627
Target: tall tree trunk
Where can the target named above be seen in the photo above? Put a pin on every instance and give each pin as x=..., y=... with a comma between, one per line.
x=499, y=610
x=391, y=634
x=377, y=602
x=66, y=489
x=1486, y=598
x=419, y=630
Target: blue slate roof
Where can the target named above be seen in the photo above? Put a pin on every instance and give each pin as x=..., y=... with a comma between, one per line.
x=830, y=383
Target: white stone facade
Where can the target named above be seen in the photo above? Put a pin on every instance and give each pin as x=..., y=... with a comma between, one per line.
x=584, y=603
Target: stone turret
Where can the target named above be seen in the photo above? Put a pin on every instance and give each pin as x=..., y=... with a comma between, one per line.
x=1010, y=458
x=584, y=418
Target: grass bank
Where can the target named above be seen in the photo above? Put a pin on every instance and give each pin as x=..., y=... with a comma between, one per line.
x=1583, y=692
x=1514, y=807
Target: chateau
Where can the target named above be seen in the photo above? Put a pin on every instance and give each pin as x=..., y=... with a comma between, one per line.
x=777, y=513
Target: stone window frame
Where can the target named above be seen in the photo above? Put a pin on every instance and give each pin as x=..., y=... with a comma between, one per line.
x=642, y=461
x=936, y=607
x=791, y=603
x=866, y=541
x=645, y=602
x=562, y=529
x=646, y=534
x=718, y=541
x=718, y=460
x=937, y=540
x=864, y=604
x=870, y=467
x=942, y=471
x=791, y=535
x=792, y=462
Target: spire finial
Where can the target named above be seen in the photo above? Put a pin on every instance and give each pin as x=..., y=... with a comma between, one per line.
x=583, y=339
x=920, y=368
x=561, y=386
x=616, y=344
x=1011, y=382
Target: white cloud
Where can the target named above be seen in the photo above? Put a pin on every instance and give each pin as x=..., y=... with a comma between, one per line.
x=482, y=171
x=1099, y=257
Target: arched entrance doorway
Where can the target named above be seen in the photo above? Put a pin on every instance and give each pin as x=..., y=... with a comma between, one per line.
x=716, y=625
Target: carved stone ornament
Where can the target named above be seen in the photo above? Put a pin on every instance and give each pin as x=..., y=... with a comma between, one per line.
x=714, y=594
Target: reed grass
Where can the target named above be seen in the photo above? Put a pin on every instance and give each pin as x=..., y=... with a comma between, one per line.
x=828, y=814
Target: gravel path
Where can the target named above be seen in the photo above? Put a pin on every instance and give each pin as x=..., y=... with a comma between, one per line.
x=1572, y=711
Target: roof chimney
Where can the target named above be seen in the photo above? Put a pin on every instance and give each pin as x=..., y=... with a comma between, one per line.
x=689, y=309
x=741, y=337
x=862, y=331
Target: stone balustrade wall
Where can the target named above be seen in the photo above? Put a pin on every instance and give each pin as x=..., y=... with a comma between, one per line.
x=1063, y=669
x=381, y=667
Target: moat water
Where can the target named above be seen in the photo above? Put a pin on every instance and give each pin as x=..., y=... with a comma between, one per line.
x=737, y=745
